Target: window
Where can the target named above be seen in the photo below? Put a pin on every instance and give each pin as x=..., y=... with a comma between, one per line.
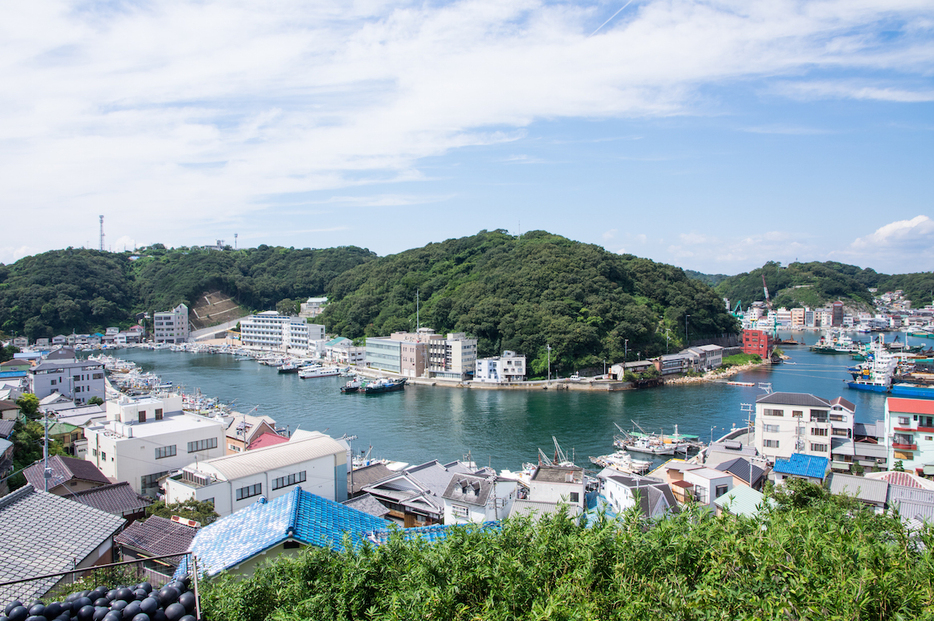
x=151, y=480
x=97, y=376
x=797, y=413
x=819, y=416
x=165, y=451
x=721, y=490
x=770, y=428
x=103, y=455
x=769, y=412
x=903, y=420
x=54, y=382
x=838, y=418
x=292, y=479
x=249, y=491
x=818, y=448
x=142, y=416
x=841, y=432
x=202, y=445
x=770, y=443
x=817, y=431
x=575, y=497
x=158, y=413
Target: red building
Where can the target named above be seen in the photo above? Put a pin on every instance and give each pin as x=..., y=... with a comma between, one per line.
x=757, y=342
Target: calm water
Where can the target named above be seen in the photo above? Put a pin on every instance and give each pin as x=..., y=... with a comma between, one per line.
x=499, y=428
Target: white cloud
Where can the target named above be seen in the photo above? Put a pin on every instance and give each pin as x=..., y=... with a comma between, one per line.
x=915, y=233
x=897, y=247
x=608, y=235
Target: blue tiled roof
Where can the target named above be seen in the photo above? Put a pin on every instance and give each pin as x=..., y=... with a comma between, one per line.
x=299, y=515
x=803, y=466
x=431, y=534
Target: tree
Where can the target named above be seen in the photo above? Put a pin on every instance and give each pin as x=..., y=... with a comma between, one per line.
x=29, y=406
x=190, y=509
x=287, y=307
x=95, y=401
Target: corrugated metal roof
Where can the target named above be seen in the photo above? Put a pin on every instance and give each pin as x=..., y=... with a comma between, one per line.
x=261, y=460
x=802, y=466
x=868, y=490
x=741, y=500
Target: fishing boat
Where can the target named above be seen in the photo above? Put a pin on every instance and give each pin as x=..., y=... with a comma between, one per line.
x=288, y=367
x=622, y=461
x=384, y=385
x=352, y=386
x=915, y=391
x=875, y=374
x=317, y=371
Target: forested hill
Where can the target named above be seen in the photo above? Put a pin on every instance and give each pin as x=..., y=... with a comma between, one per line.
x=525, y=293
x=87, y=290
x=817, y=284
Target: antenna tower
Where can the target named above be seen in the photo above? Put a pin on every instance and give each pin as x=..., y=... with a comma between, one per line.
x=102, y=233
x=235, y=241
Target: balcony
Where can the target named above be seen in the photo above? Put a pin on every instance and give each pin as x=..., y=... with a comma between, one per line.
x=904, y=447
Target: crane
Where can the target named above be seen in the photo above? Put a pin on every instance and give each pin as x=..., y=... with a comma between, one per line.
x=768, y=302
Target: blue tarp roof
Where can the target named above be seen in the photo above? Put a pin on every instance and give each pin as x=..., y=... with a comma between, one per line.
x=299, y=515
x=803, y=466
x=431, y=534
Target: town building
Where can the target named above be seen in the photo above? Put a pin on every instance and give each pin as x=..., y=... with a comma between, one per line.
x=384, y=354
x=170, y=326
x=424, y=354
x=789, y=423
x=798, y=318
x=270, y=330
x=909, y=425
x=244, y=429
x=66, y=475
x=341, y=350
x=312, y=307
x=836, y=314
x=671, y=364
x=556, y=484
x=76, y=380
x=623, y=491
x=810, y=468
x=311, y=459
x=478, y=498
x=454, y=357
x=510, y=367
x=757, y=342
x=146, y=439
x=414, y=495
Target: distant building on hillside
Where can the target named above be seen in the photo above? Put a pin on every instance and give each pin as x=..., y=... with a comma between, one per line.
x=312, y=307
x=171, y=326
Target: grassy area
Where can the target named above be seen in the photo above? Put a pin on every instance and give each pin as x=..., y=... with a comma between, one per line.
x=737, y=360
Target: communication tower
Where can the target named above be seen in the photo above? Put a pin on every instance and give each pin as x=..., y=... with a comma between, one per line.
x=102, y=233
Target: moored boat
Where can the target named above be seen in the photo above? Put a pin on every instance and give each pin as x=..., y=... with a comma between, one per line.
x=384, y=385
x=317, y=371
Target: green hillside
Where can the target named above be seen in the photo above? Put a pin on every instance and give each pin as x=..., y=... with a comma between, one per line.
x=525, y=293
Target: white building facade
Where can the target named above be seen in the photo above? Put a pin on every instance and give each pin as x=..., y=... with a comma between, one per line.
x=270, y=330
x=312, y=307
x=473, y=499
x=171, y=326
x=909, y=425
x=789, y=423
x=510, y=367
x=143, y=440
x=79, y=380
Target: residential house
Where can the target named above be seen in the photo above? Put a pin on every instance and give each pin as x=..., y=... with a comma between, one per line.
x=414, y=495
x=115, y=498
x=144, y=440
x=692, y=482
x=243, y=429
x=909, y=425
x=267, y=529
x=312, y=307
x=46, y=534
x=510, y=367
x=798, y=466
x=623, y=491
x=78, y=380
x=341, y=350
x=788, y=423
x=155, y=537
x=232, y=482
x=672, y=364
x=557, y=484
x=67, y=475
x=478, y=498
x=744, y=472
x=872, y=492
x=8, y=410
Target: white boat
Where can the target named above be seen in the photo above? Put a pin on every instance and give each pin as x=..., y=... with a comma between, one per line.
x=649, y=446
x=622, y=461
x=317, y=371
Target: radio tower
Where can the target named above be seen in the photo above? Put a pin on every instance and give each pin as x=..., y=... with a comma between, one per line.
x=102, y=233
x=235, y=241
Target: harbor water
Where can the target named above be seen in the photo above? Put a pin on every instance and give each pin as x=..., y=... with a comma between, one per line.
x=501, y=429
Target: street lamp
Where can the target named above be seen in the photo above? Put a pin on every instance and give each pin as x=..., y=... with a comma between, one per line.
x=686, y=330
x=626, y=350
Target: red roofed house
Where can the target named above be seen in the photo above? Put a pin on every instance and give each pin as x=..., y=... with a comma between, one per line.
x=909, y=425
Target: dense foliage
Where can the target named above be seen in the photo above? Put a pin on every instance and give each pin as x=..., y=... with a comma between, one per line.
x=525, y=293
x=812, y=556
x=199, y=511
x=818, y=284
x=710, y=279
x=86, y=290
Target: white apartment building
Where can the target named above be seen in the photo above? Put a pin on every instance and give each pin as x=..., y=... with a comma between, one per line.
x=311, y=459
x=470, y=498
x=454, y=357
x=790, y=422
x=171, y=326
x=312, y=307
x=510, y=367
x=145, y=439
x=558, y=484
x=909, y=425
x=424, y=354
x=270, y=330
x=79, y=380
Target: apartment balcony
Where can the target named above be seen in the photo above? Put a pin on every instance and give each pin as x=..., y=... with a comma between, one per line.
x=904, y=447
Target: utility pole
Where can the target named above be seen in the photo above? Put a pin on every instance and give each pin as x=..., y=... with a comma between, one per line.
x=625, y=351
x=686, y=330
x=548, y=347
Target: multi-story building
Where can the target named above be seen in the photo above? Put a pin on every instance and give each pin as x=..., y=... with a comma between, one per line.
x=311, y=459
x=836, y=314
x=424, y=354
x=270, y=330
x=909, y=425
x=171, y=326
x=79, y=380
x=454, y=357
x=789, y=422
x=478, y=498
x=757, y=342
x=312, y=307
x=146, y=439
x=384, y=354
x=797, y=317
x=510, y=367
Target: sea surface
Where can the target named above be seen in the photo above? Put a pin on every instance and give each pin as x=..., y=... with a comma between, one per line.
x=502, y=429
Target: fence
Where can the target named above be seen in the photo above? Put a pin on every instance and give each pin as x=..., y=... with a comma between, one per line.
x=58, y=586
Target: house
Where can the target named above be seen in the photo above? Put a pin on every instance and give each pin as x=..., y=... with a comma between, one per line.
x=728, y=450
x=510, y=367
x=66, y=475
x=472, y=498
x=692, y=482
x=744, y=472
x=67, y=434
x=15, y=368
x=156, y=536
x=872, y=492
x=144, y=440
x=414, y=495
x=171, y=326
x=623, y=491
x=741, y=500
x=558, y=485
x=713, y=356
x=788, y=423
x=232, y=482
x=671, y=364
x=266, y=529
x=909, y=425
x=359, y=478
x=808, y=467
x=342, y=351
x=6, y=463
x=312, y=307
x=78, y=380
x=8, y=410
x=115, y=498
x=243, y=429
x=46, y=534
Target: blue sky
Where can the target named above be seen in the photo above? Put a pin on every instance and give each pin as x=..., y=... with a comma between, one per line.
x=712, y=135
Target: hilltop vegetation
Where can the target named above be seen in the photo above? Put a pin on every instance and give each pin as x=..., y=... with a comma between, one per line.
x=525, y=293
x=812, y=556
x=818, y=284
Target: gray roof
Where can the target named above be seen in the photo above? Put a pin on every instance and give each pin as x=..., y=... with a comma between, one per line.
x=844, y=403
x=743, y=469
x=367, y=475
x=44, y=534
x=843, y=446
x=367, y=504
x=261, y=460
x=870, y=430
x=468, y=489
x=794, y=398
x=559, y=474
x=116, y=498
x=64, y=469
x=157, y=536
x=6, y=428
x=48, y=365
x=867, y=490
x=912, y=502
